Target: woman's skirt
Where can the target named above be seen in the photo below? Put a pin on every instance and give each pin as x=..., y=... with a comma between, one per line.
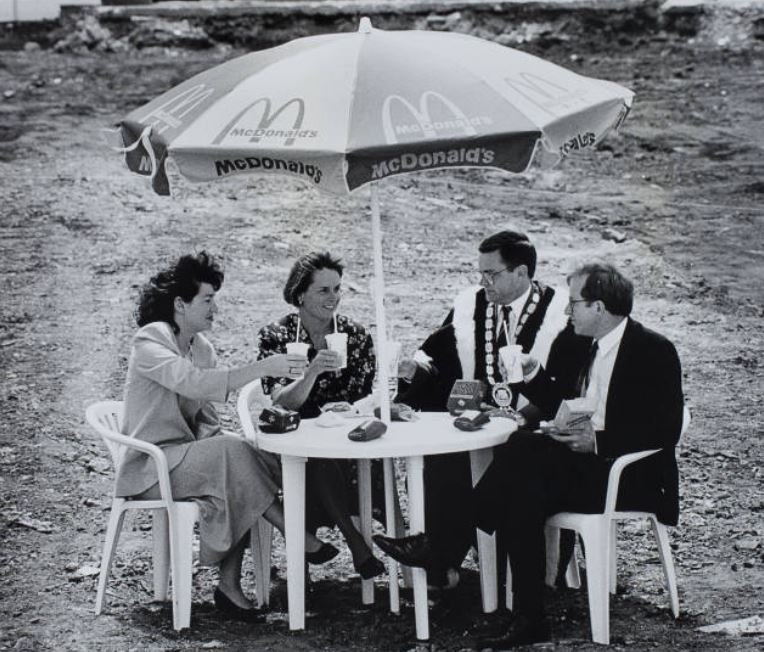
x=233, y=484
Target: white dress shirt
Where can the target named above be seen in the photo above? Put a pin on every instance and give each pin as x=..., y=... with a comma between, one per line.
x=602, y=371
x=517, y=308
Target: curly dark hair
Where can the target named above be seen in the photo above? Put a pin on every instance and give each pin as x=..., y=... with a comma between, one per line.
x=181, y=279
x=301, y=274
x=514, y=248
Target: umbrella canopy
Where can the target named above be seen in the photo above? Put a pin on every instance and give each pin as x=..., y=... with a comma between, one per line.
x=339, y=111
x=343, y=110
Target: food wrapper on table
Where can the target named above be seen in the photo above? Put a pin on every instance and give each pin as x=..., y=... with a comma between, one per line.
x=398, y=412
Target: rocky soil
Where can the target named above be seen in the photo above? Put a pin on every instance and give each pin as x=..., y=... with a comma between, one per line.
x=675, y=199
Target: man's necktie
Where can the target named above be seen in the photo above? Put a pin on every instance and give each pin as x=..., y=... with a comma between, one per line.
x=506, y=327
x=586, y=373
x=508, y=320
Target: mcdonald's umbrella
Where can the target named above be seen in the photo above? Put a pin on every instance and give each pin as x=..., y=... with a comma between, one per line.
x=342, y=110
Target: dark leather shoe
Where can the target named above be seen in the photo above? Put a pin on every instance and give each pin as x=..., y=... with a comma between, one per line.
x=325, y=553
x=371, y=567
x=521, y=631
x=233, y=611
x=411, y=551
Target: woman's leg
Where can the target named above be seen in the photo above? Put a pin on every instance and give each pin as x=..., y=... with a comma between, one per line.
x=275, y=516
x=326, y=478
x=230, y=576
x=230, y=566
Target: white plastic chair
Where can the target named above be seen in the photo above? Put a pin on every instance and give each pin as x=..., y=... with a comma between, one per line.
x=250, y=402
x=599, y=535
x=173, y=521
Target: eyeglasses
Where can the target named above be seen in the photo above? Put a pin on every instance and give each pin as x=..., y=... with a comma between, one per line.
x=573, y=302
x=489, y=276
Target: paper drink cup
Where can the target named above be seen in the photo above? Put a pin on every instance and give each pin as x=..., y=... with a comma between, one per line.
x=339, y=342
x=298, y=348
x=510, y=356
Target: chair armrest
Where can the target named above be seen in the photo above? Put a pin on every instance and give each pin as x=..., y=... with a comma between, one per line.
x=154, y=452
x=131, y=442
x=614, y=477
x=243, y=410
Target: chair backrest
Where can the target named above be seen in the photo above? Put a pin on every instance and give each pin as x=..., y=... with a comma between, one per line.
x=252, y=399
x=105, y=417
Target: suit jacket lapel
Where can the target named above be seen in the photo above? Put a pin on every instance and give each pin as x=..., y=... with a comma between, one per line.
x=617, y=390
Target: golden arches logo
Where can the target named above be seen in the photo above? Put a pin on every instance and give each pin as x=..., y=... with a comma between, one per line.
x=422, y=118
x=266, y=121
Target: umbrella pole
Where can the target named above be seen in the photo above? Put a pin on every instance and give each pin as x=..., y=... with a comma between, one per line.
x=379, y=305
x=384, y=405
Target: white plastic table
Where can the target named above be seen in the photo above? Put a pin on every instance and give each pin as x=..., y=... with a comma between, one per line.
x=432, y=434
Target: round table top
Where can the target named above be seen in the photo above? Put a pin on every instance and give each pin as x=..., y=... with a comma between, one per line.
x=433, y=433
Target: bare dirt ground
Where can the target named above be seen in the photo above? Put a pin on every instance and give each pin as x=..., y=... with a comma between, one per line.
x=682, y=184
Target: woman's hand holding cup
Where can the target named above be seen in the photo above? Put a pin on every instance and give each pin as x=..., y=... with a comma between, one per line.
x=298, y=363
x=297, y=355
x=290, y=365
x=326, y=360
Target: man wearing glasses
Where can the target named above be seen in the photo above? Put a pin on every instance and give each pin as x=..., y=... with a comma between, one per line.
x=508, y=307
x=632, y=378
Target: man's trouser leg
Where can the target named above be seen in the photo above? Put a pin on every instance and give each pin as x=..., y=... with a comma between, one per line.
x=531, y=478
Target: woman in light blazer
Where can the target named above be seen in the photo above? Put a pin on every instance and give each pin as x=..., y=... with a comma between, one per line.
x=172, y=380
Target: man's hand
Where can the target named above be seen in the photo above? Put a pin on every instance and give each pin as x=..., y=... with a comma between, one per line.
x=407, y=369
x=528, y=364
x=580, y=438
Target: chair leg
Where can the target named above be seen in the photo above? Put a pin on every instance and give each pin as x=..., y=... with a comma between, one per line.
x=489, y=585
x=552, y=540
x=181, y=544
x=596, y=544
x=160, y=534
x=572, y=573
x=667, y=559
x=261, y=544
x=114, y=527
x=613, y=555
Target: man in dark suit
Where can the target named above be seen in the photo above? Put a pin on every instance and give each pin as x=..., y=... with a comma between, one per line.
x=509, y=306
x=631, y=377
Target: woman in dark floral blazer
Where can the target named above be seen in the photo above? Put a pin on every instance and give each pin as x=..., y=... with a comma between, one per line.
x=314, y=287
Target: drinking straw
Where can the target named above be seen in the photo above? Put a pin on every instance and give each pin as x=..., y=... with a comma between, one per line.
x=297, y=337
x=335, y=322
